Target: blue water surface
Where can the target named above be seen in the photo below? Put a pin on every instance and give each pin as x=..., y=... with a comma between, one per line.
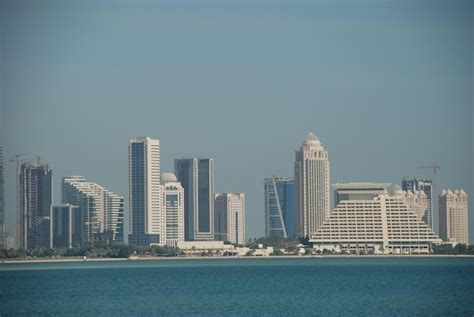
x=371, y=286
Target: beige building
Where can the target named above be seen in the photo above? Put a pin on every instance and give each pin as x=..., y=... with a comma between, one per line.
x=173, y=210
x=229, y=219
x=312, y=186
x=453, y=216
x=382, y=225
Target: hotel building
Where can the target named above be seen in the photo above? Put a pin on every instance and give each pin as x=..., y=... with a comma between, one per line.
x=173, y=217
x=230, y=217
x=312, y=186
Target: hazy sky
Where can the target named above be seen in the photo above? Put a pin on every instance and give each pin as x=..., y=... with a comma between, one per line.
x=386, y=85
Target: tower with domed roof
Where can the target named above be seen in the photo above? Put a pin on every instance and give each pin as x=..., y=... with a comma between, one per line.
x=311, y=185
x=453, y=216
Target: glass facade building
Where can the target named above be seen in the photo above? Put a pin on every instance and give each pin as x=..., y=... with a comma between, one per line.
x=197, y=178
x=426, y=186
x=280, y=207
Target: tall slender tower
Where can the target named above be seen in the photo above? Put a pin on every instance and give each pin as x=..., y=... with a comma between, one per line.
x=197, y=178
x=146, y=206
x=312, y=186
x=36, y=195
x=2, y=200
x=173, y=218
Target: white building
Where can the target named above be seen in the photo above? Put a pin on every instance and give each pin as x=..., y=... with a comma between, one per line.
x=102, y=211
x=196, y=247
x=146, y=206
x=358, y=191
x=453, y=216
x=385, y=224
x=230, y=217
x=312, y=186
x=173, y=217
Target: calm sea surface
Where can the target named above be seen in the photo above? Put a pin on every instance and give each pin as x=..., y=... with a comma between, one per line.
x=301, y=286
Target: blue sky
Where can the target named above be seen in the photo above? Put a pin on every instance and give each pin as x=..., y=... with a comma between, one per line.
x=386, y=86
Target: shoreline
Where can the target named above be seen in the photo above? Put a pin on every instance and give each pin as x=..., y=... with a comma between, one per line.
x=160, y=258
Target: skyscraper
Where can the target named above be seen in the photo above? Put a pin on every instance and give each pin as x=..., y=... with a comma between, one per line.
x=230, y=217
x=426, y=186
x=102, y=211
x=146, y=206
x=197, y=178
x=453, y=216
x=36, y=195
x=174, y=210
x=312, y=186
x=2, y=200
x=66, y=226
x=280, y=207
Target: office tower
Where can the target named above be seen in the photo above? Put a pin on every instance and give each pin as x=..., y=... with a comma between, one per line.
x=197, y=178
x=230, y=217
x=66, y=226
x=384, y=224
x=453, y=216
x=3, y=241
x=280, y=207
x=174, y=210
x=312, y=186
x=426, y=186
x=146, y=206
x=102, y=211
x=358, y=191
x=35, y=198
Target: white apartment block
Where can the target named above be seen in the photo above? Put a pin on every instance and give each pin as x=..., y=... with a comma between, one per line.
x=453, y=216
x=312, y=186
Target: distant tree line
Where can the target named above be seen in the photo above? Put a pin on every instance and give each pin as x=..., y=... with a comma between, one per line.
x=457, y=249
x=95, y=251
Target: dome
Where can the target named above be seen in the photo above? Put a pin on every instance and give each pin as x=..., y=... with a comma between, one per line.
x=422, y=194
x=462, y=193
x=168, y=178
x=311, y=138
x=396, y=190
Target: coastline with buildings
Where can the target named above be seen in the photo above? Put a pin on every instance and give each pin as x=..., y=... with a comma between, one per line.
x=183, y=210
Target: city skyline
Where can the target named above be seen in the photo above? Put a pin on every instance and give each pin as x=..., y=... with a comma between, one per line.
x=377, y=101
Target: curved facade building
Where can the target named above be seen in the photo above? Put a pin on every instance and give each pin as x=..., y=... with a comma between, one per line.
x=280, y=207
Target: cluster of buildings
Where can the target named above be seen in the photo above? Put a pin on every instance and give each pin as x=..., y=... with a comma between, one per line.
x=183, y=209
x=164, y=208
x=367, y=218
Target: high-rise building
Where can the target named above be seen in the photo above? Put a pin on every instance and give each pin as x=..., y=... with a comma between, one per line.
x=453, y=216
x=2, y=200
x=280, y=207
x=146, y=206
x=66, y=226
x=102, y=211
x=230, y=217
x=426, y=186
x=174, y=210
x=36, y=195
x=312, y=186
x=358, y=191
x=197, y=178
x=384, y=224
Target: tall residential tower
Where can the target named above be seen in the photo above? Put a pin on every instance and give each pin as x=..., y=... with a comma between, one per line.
x=146, y=206
x=197, y=178
x=312, y=186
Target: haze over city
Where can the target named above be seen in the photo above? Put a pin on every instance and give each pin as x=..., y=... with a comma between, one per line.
x=385, y=87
